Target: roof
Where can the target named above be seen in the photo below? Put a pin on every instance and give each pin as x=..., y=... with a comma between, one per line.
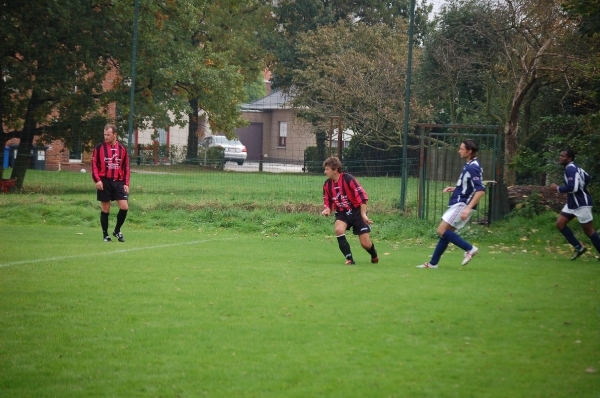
x=275, y=100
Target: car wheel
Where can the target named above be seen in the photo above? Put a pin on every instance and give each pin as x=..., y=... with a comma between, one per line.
x=240, y=162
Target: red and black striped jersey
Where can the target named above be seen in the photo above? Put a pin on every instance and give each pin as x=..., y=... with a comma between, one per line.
x=110, y=161
x=345, y=194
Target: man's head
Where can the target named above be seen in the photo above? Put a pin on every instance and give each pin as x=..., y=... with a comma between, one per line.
x=332, y=166
x=110, y=133
x=468, y=149
x=566, y=156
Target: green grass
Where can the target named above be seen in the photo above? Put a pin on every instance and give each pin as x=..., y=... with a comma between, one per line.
x=219, y=313
x=232, y=284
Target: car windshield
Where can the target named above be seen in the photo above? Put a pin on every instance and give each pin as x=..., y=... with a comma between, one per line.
x=235, y=142
x=220, y=139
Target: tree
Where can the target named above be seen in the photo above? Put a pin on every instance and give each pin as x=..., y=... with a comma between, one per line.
x=233, y=29
x=195, y=60
x=55, y=58
x=455, y=65
x=358, y=72
x=528, y=39
x=53, y=66
x=296, y=18
x=589, y=13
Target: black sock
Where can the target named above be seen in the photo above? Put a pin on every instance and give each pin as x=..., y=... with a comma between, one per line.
x=121, y=215
x=595, y=240
x=372, y=251
x=104, y=223
x=344, y=247
x=570, y=236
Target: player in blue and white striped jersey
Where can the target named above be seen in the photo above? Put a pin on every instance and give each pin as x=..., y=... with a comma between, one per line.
x=579, y=203
x=465, y=196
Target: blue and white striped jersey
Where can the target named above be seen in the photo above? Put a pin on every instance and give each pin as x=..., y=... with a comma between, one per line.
x=469, y=182
x=576, y=180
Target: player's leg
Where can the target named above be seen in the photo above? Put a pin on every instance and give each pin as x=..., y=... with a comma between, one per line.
x=340, y=228
x=363, y=230
x=561, y=223
x=121, y=198
x=454, y=217
x=447, y=229
x=104, y=196
x=104, y=212
x=586, y=219
x=443, y=242
x=121, y=215
x=365, y=242
x=440, y=248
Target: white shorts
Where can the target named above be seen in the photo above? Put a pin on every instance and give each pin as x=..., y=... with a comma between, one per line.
x=452, y=215
x=583, y=214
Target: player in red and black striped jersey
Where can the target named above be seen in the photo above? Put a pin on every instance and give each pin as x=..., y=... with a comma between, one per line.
x=110, y=172
x=343, y=195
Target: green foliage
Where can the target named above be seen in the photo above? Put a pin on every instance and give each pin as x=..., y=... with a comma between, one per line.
x=455, y=70
x=312, y=163
x=334, y=81
x=589, y=13
x=256, y=90
x=531, y=166
x=296, y=18
x=190, y=56
x=530, y=207
x=214, y=156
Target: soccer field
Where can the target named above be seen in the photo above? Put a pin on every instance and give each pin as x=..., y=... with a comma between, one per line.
x=189, y=314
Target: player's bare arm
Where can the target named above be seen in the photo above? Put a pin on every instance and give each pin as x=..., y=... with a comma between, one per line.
x=448, y=189
x=363, y=213
x=467, y=210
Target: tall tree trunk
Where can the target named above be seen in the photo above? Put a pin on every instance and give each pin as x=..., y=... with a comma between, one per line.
x=24, y=152
x=321, y=138
x=192, y=142
x=511, y=129
x=510, y=150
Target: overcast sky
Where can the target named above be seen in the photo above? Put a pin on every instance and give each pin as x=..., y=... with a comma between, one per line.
x=436, y=4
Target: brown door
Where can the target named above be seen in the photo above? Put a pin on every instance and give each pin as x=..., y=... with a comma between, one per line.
x=252, y=137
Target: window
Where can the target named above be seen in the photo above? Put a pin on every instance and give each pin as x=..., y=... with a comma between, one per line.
x=76, y=152
x=162, y=136
x=282, y=134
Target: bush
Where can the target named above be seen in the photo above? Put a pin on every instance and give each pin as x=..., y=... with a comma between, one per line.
x=530, y=207
x=214, y=156
x=312, y=163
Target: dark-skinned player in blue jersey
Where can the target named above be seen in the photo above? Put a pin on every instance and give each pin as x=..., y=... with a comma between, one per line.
x=579, y=203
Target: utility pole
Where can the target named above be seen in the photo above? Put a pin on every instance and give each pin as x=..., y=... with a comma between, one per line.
x=132, y=87
x=407, y=108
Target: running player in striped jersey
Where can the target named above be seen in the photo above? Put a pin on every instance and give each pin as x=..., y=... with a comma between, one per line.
x=579, y=203
x=465, y=195
x=110, y=172
x=343, y=195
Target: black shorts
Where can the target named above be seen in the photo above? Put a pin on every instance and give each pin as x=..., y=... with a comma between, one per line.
x=353, y=220
x=113, y=190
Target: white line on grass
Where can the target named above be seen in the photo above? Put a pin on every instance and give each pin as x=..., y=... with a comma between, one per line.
x=133, y=249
